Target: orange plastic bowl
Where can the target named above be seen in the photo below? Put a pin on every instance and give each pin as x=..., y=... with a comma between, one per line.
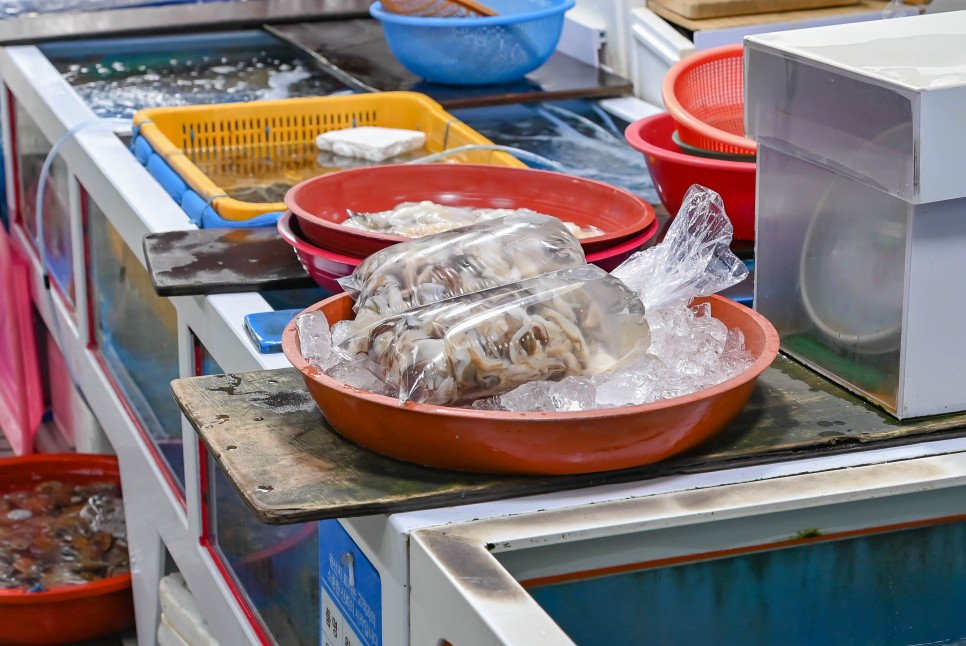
x=704, y=93
x=674, y=172
x=63, y=615
x=536, y=443
x=321, y=203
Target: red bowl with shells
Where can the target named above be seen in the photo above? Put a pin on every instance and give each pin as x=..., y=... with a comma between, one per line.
x=322, y=203
x=536, y=443
x=71, y=614
x=327, y=267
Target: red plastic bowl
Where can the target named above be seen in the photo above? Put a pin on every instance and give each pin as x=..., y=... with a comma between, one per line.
x=321, y=203
x=536, y=443
x=674, y=172
x=326, y=267
x=73, y=614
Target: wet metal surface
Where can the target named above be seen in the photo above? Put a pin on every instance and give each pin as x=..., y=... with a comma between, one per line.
x=281, y=439
x=221, y=261
x=173, y=18
x=358, y=48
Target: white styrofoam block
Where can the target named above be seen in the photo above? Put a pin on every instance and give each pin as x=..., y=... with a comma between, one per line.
x=917, y=53
x=168, y=636
x=370, y=142
x=612, y=18
x=179, y=607
x=581, y=38
x=898, y=117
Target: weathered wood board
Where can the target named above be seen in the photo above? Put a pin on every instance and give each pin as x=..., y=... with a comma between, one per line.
x=699, y=9
x=289, y=466
x=726, y=22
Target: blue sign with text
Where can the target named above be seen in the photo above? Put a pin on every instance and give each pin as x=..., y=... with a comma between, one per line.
x=351, y=594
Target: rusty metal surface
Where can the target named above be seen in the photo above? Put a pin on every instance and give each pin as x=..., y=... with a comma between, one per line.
x=289, y=466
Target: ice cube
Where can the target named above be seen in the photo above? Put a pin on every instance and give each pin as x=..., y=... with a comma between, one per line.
x=341, y=331
x=641, y=382
x=735, y=342
x=572, y=394
x=358, y=374
x=314, y=338
x=487, y=403
x=529, y=398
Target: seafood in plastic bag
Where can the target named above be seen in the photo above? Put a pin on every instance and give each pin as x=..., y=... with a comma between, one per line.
x=480, y=256
x=578, y=321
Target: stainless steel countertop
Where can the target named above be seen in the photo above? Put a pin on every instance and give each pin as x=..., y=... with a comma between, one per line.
x=32, y=29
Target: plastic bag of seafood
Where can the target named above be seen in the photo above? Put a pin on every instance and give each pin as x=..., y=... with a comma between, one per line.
x=693, y=260
x=461, y=261
x=578, y=321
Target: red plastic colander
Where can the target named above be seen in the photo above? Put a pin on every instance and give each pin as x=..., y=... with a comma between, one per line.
x=704, y=93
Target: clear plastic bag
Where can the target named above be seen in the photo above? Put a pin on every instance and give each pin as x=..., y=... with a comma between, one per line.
x=693, y=260
x=461, y=261
x=578, y=321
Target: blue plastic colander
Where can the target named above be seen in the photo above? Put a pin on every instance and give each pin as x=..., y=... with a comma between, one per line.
x=476, y=51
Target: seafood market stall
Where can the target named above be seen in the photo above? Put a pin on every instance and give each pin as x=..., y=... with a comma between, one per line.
x=169, y=312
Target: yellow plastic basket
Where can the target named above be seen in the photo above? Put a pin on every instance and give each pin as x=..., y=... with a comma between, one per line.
x=265, y=142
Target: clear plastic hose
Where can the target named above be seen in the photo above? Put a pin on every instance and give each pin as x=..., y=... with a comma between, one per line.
x=39, y=212
x=516, y=152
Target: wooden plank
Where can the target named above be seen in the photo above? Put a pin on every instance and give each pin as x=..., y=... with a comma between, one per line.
x=700, y=9
x=358, y=50
x=289, y=466
x=221, y=261
x=864, y=6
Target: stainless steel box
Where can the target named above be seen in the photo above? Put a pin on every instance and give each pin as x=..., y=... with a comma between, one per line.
x=861, y=204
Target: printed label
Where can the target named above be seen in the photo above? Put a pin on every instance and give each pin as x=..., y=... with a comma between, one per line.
x=351, y=590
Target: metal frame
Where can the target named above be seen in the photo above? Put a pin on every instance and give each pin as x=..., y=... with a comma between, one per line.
x=32, y=29
x=100, y=164
x=438, y=577
x=465, y=577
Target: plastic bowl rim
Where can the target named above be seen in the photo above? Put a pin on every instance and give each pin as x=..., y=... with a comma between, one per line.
x=680, y=114
x=303, y=246
x=114, y=583
x=288, y=234
x=633, y=136
x=649, y=216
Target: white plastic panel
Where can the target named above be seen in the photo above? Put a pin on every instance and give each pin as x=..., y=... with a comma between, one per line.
x=655, y=47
